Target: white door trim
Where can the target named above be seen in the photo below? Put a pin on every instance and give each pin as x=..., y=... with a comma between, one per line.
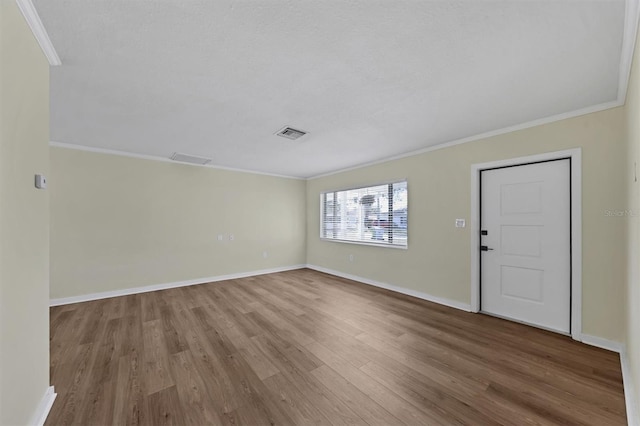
x=576, y=228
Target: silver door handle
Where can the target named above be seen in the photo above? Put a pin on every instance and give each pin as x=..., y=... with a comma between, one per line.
x=485, y=248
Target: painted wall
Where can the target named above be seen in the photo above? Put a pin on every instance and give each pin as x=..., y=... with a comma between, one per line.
x=24, y=220
x=120, y=222
x=632, y=116
x=437, y=261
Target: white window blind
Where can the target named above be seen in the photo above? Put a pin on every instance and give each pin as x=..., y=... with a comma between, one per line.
x=370, y=215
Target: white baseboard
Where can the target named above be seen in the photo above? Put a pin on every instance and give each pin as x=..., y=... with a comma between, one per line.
x=165, y=286
x=633, y=411
x=397, y=289
x=599, y=342
x=42, y=411
x=630, y=395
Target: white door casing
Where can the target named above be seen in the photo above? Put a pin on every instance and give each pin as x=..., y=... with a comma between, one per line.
x=575, y=155
x=526, y=265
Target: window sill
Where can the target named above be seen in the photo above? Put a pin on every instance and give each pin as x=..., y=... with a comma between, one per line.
x=364, y=243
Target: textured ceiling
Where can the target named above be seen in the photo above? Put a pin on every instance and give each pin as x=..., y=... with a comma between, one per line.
x=367, y=79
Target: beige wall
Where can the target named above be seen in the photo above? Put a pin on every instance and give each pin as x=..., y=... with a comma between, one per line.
x=24, y=220
x=120, y=222
x=437, y=261
x=632, y=117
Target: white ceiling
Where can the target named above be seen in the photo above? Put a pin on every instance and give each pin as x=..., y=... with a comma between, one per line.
x=367, y=79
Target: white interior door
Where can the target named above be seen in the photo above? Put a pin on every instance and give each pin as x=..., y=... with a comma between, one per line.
x=526, y=252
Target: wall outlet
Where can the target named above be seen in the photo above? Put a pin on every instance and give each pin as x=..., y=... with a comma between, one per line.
x=350, y=258
x=460, y=223
x=220, y=237
x=265, y=254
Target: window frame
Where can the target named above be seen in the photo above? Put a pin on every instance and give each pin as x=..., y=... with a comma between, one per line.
x=363, y=243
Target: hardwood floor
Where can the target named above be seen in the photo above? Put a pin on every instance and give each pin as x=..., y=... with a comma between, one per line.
x=302, y=347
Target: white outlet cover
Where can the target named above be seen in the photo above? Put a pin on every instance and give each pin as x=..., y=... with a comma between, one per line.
x=264, y=254
x=460, y=223
x=41, y=182
x=220, y=237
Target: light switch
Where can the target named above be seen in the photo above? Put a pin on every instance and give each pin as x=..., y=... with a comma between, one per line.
x=460, y=223
x=41, y=182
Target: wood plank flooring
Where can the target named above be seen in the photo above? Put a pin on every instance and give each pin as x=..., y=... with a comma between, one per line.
x=306, y=348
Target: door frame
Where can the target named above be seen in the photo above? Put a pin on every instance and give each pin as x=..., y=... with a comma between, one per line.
x=575, y=157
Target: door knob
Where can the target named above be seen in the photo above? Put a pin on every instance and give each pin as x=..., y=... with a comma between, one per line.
x=485, y=248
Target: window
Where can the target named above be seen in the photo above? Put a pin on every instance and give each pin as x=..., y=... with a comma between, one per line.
x=369, y=215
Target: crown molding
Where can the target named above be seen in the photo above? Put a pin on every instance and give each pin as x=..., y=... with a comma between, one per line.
x=40, y=33
x=631, y=17
x=161, y=159
x=510, y=129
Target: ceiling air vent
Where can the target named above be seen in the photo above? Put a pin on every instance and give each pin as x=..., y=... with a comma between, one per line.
x=291, y=133
x=192, y=159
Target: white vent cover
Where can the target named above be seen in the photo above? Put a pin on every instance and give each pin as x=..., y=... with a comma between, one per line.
x=291, y=133
x=186, y=158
